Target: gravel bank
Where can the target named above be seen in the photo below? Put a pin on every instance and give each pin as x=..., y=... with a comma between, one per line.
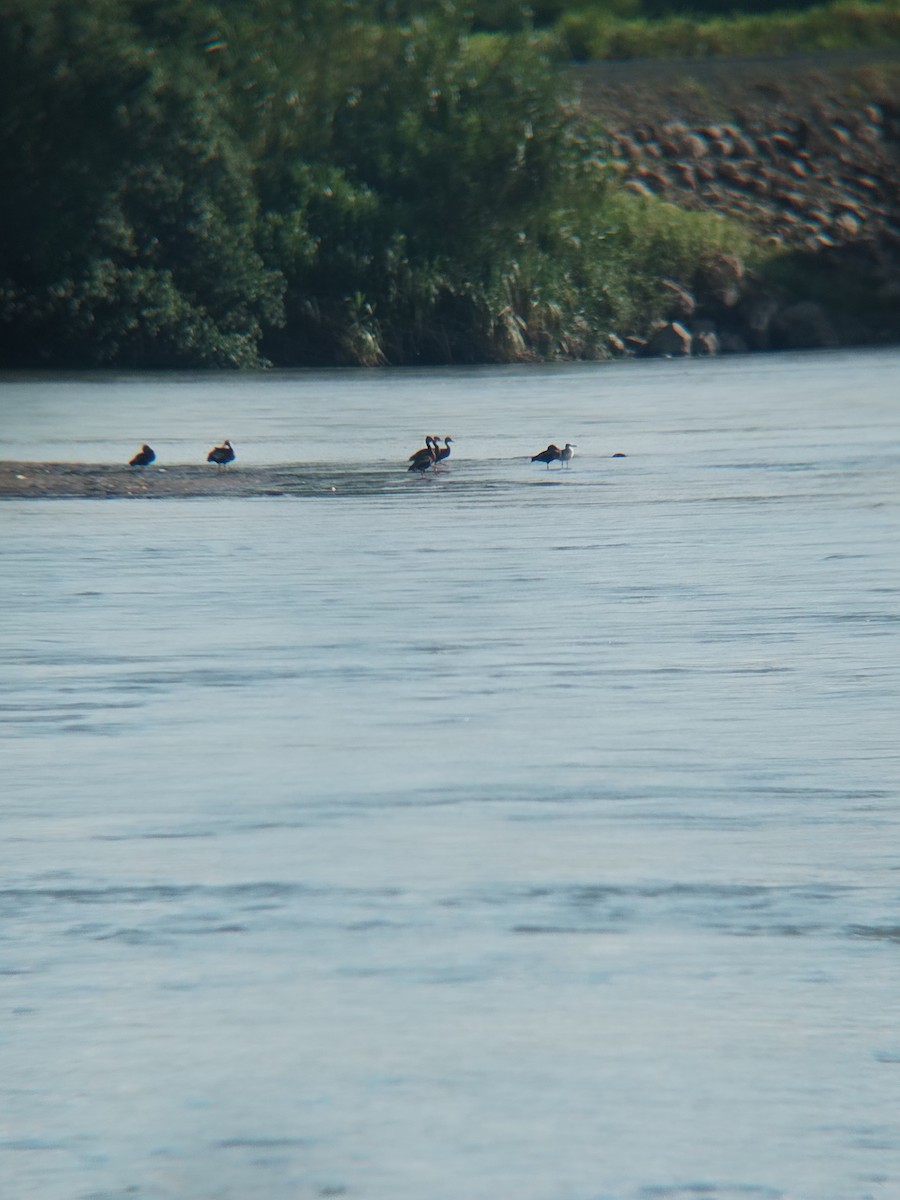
x=28, y=480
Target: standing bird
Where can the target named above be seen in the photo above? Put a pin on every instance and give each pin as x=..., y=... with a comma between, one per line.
x=144, y=457
x=424, y=458
x=567, y=453
x=222, y=455
x=442, y=452
x=551, y=454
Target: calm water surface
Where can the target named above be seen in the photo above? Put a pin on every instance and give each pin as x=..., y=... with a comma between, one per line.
x=503, y=835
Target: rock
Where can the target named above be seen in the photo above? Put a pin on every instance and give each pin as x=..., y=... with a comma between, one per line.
x=794, y=199
x=784, y=143
x=657, y=179
x=635, y=345
x=803, y=326
x=743, y=145
x=730, y=171
x=868, y=133
x=705, y=343
x=695, y=146
x=671, y=341
x=629, y=147
x=723, y=277
x=683, y=303
x=761, y=186
x=687, y=175
x=847, y=225
x=639, y=188
x=615, y=344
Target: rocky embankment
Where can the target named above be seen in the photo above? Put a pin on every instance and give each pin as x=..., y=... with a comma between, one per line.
x=804, y=151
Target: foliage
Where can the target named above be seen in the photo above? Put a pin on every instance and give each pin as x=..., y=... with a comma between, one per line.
x=126, y=225
x=308, y=181
x=618, y=30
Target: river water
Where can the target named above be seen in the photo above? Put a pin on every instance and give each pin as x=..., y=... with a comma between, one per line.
x=511, y=834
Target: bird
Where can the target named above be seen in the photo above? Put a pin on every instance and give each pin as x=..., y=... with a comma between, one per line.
x=567, y=453
x=551, y=454
x=442, y=452
x=222, y=455
x=144, y=457
x=424, y=458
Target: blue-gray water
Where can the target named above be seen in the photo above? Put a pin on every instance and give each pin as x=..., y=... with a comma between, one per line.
x=506, y=835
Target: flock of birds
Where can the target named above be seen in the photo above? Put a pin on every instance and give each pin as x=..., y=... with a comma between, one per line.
x=222, y=455
x=554, y=454
x=431, y=455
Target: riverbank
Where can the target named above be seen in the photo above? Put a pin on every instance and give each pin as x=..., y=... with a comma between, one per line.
x=803, y=151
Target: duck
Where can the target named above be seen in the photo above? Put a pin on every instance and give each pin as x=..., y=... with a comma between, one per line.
x=442, y=452
x=222, y=455
x=424, y=458
x=567, y=453
x=144, y=457
x=551, y=454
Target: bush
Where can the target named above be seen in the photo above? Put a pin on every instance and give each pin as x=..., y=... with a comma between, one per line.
x=306, y=181
x=127, y=224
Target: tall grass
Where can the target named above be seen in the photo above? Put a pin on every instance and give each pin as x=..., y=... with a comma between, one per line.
x=593, y=33
x=605, y=270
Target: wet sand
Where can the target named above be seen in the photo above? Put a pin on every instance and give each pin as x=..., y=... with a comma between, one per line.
x=41, y=480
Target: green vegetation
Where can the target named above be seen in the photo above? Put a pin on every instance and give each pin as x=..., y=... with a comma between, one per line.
x=127, y=227
x=315, y=182
x=328, y=182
